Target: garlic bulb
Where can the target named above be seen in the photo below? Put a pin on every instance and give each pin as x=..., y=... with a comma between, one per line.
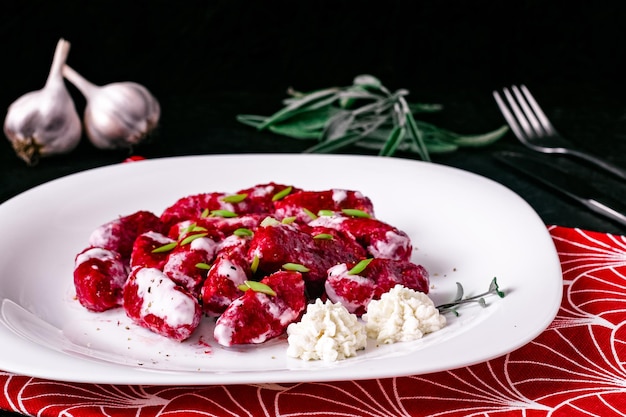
x=44, y=122
x=117, y=115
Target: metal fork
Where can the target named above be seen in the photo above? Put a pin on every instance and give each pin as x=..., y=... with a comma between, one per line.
x=531, y=126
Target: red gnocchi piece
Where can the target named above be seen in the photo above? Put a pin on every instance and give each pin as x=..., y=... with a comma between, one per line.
x=380, y=239
x=355, y=291
x=154, y=301
x=99, y=276
x=151, y=250
x=119, y=235
x=230, y=269
x=298, y=203
x=256, y=317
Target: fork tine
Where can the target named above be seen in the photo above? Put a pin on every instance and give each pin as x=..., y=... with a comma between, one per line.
x=519, y=113
x=543, y=119
x=532, y=123
x=510, y=119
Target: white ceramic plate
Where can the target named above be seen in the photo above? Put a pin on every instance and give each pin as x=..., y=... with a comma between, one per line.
x=464, y=228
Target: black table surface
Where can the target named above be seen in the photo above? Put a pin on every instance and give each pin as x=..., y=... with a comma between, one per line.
x=205, y=125
x=206, y=62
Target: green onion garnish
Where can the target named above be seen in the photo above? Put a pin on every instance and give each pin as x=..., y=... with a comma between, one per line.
x=355, y=213
x=289, y=266
x=223, y=213
x=288, y=220
x=255, y=264
x=235, y=198
x=243, y=232
x=269, y=221
x=256, y=287
x=358, y=268
x=282, y=193
x=324, y=236
x=191, y=238
x=309, y=213
x=165, y=248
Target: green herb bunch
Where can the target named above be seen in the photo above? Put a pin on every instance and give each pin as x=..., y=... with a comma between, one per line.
x=364, y=114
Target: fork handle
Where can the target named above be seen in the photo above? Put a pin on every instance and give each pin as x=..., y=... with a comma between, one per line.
x=601, y=163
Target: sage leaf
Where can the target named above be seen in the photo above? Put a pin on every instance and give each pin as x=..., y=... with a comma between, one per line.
x=390, y=146
x=365, y=114
x=310, y=101
x=367, y=80
x=338, y=126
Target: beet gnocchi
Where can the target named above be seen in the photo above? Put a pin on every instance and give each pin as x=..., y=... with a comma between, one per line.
x=250, y=260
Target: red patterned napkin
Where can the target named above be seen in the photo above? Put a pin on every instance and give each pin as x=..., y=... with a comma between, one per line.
x=575, y=368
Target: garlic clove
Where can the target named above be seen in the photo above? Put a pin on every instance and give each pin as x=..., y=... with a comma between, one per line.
x=117, y=115
x=44, y=122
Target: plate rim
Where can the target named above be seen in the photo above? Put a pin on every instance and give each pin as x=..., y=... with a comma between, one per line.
x=190, y=378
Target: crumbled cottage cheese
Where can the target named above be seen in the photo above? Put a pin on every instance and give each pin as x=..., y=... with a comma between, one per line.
x=402, y=315
x=327, y=331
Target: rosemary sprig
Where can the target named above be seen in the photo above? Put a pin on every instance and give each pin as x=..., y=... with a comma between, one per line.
x=480, y=298
x=365, y=114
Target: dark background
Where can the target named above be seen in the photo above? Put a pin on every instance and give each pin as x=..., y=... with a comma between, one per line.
x=207, y=61
x=206, y=46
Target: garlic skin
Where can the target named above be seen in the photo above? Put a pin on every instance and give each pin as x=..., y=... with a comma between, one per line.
x=45, y=122
x=117, y=115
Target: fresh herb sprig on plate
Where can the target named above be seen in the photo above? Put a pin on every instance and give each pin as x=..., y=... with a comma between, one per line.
x=480, y=298
x=364, y=114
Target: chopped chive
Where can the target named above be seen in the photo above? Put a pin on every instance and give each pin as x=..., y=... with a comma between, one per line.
x=191, y=238
x=165, y=248
x=324, y=236
x=282, y=194
x=269, y=221
x=255, y=264
x=325, y=213
x=223, y=213
x=205, y=213
x=288, y=220
x=289, y=266
x=188, y=228
x=309, y=213
x=202, y=265
x=243, y=232
x=356, y=213
x=193, y=227
x=358, y=268
x=235, y=198
x=256, y=287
